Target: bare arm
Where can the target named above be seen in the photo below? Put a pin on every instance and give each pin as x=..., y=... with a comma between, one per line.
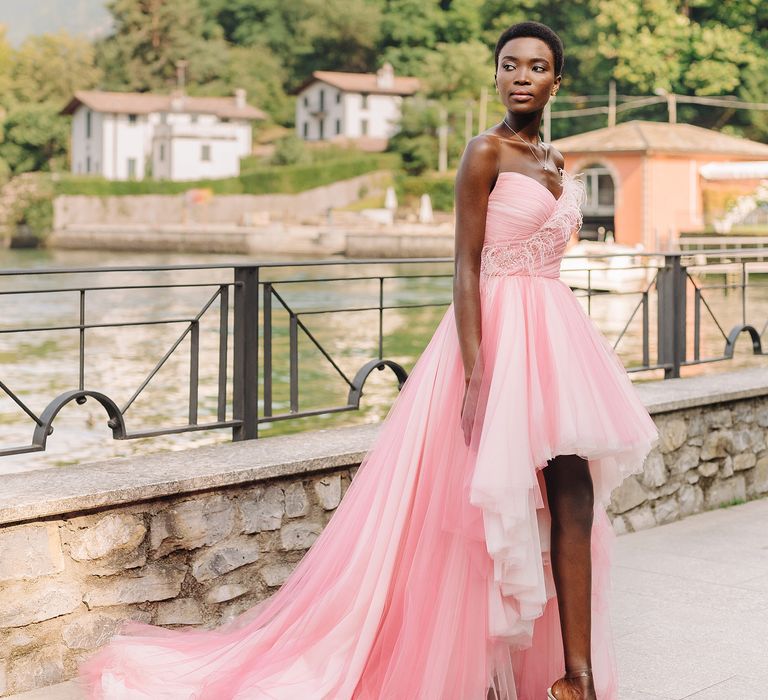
x=474, y=182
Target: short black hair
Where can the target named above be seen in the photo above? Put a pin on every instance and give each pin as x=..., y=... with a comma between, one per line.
x=538, y=31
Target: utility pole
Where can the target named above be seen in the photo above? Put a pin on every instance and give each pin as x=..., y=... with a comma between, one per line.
x=442, y=139
x=612, y=103
x=482, y=115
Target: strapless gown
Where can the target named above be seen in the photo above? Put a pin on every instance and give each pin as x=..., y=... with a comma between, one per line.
x=432, y=580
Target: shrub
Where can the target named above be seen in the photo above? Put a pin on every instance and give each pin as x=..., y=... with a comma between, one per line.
x=438, y=187
x=278, y=179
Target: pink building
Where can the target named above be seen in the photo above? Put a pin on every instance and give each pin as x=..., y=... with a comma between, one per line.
x=647, y=181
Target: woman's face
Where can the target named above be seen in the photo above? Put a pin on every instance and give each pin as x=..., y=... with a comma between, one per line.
x=525, y=74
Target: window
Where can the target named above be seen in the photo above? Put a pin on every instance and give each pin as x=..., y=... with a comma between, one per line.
x=88, y=164
x=600, y=190
x=338, y=126
x=306, y=101
x=88, y=123
x=364, y=127
x=161, y=155
x=363, y=101
x=205, y=152
x=163, y=118
x=338, y=98
x=131, y=168
x=193, y=119
x=132, y=118
x=322, y=100
x=305, y=130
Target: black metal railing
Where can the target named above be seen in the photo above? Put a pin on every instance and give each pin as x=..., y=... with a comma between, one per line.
x=248, y=303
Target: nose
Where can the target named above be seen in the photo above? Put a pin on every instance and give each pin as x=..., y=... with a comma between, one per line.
x=522, y=77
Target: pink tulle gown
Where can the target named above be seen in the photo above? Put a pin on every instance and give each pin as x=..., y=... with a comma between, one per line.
x=432, y=580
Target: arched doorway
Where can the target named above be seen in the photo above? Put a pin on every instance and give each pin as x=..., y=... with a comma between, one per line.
x=599, y=209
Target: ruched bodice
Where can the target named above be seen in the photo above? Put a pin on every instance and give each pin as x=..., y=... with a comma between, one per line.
x=527, y=227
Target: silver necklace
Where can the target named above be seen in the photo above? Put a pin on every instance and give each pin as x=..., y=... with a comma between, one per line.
x=533, y=153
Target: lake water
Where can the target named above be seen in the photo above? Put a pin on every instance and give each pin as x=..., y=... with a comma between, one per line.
x=39, y=366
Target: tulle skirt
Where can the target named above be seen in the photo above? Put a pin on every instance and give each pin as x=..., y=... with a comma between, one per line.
x=432, y=580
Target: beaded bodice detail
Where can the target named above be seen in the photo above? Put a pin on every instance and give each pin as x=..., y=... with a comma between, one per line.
x=527, y=228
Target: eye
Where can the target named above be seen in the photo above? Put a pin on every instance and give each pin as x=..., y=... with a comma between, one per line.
x=507, y=65
x=541, y=67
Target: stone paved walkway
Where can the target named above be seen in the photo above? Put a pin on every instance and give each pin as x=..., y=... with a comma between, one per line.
x=690, y=610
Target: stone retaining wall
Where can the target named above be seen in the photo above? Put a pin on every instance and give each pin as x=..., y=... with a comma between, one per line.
x=195, y=537
x=199, y=559
x=708, y=457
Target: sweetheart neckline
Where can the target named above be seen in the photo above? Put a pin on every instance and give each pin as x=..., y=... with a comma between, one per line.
x=533, y=179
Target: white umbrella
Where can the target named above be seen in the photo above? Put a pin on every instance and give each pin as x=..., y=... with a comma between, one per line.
x=390, y=199
x=425, y=210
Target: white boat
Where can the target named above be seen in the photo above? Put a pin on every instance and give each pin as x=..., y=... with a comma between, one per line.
x=607, y=267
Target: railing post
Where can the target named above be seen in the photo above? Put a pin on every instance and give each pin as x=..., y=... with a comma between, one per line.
x=245, y=379
x=671, y=288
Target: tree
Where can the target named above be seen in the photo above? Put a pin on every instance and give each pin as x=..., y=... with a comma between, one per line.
x=258, y=71
x=6, y=70
x=36, y=138
x=151, y=36
x=457, y=71
x=50, y=67
x=409, y=30
x=305, y=36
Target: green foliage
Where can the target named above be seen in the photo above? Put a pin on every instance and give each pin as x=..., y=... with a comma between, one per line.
x=151, y=37
x=290, y=150
x=270, y=47
x=259, y=72
x=273, y=179
x=50, y=67
x=439, y=188
x=37, y=216
x=6, y=68
x=457, y=71
x=35, y=138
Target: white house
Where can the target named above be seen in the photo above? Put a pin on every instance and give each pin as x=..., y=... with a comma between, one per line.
x=362, y=107
x=131, y=135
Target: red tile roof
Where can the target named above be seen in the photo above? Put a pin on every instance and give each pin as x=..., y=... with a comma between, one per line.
x=364, y=82
x=647, y=136
x=145, y=102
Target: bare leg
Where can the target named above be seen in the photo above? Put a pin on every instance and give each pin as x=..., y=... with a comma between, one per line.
x=571, y=503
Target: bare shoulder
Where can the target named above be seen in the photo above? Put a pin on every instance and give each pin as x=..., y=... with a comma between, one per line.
x=480, y=161
x=556, y=157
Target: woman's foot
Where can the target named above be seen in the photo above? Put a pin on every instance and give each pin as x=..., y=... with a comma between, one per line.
x=575, y=686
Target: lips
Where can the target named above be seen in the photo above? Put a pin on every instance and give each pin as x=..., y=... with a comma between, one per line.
x=520, y=96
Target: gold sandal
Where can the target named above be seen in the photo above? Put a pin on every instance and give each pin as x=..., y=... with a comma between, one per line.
x=572, y=674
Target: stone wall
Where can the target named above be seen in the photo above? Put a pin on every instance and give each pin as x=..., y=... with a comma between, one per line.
x=73, y=211
x=198, y=559
x=195, y=537
x=708, y=457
